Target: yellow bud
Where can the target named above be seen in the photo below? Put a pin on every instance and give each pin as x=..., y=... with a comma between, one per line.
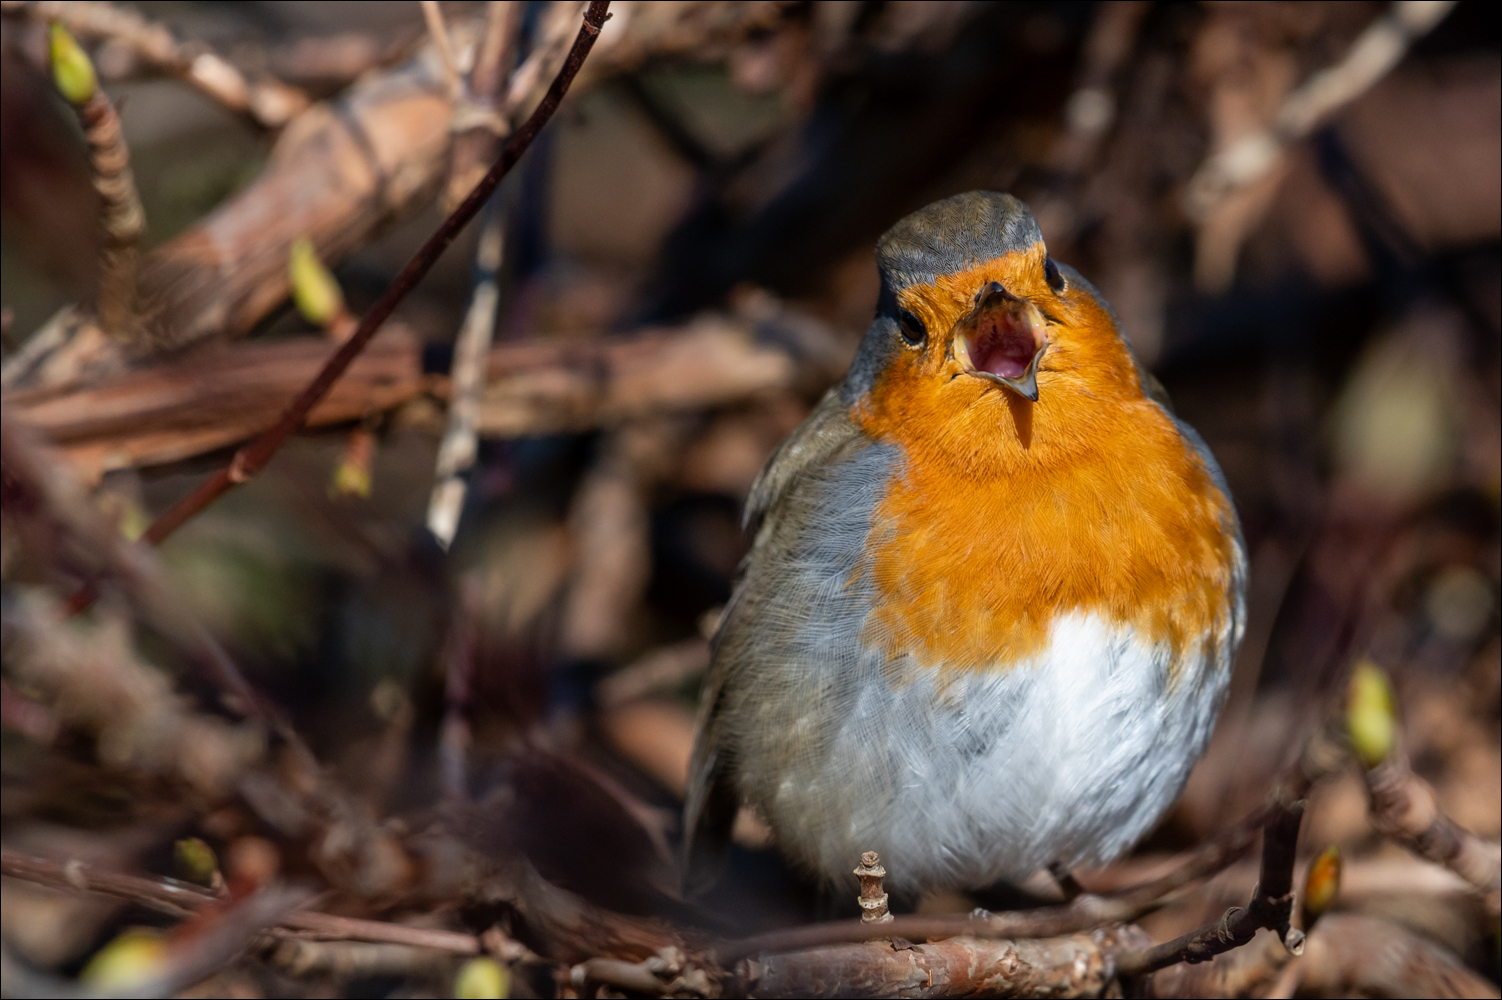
x=133, y=521
x=1322, y=884
x=352, y=474
x=196, y=860
x=1371, y=719
x=482, y=978
x=71, y=69
x=350, y=480
x=130, y=960
x=314, y=289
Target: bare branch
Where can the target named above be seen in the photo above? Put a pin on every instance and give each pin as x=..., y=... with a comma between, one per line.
x=1081, y=913
x=251, y=459
x=222, y=395
x=221, y=939
x=1368, y=60
x=478, y=124
x=1403, y=806
x=266, y=101
x=432, y=14
x=456, y=453
x=1271, y=907
x=1075, y=965
x=181, y=899
x=1345, y=955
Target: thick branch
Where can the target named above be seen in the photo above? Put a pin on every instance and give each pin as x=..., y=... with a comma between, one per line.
x=222, y=395
x=1076, y=965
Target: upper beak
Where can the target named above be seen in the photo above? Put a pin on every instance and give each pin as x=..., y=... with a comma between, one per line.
x=1002, y=340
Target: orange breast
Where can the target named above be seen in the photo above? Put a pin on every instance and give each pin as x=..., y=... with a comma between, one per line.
x=1008, y=514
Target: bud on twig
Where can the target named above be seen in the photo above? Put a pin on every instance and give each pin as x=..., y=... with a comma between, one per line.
x=197, y=862
x=71, y=69
x=1321, y=885
x=873, y=901
x=482, y=978
x=1371, y=719
x=314, y=289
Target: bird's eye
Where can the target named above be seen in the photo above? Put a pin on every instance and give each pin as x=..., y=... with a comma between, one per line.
x=913, y=330
x=1053, y=275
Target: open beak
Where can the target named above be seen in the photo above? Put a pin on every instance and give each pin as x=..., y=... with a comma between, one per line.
x=1002, y=340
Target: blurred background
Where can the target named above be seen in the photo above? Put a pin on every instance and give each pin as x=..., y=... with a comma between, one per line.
x=481, y=587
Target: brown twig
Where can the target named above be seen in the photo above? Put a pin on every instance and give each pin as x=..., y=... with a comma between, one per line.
x=1082, y=913
x=1367, y=61
x=478, y=125
x=1072, y=965
x=432, y=15
x=457, y=451
x=121, y=217
x=1271, y=907
x=222, y=937
x=669, y=972
x=873, y=901
x=1403, y=806
x=1345, y=955
x=181, y=899
x=64, y=530
x=219, y=396
x=267, y=101
x=339, y=173
x=252, y=458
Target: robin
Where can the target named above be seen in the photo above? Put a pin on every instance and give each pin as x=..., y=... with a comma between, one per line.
x=988, y=618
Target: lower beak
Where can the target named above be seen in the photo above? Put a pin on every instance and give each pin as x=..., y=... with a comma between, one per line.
x=1002, y=340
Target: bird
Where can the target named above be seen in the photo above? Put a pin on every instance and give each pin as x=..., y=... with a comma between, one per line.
x=987, y=619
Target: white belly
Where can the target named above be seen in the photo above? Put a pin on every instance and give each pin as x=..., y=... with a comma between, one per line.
x=1071, y=758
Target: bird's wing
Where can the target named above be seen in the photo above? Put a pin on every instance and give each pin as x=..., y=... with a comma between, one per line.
x=827, y=431
x=712, y=798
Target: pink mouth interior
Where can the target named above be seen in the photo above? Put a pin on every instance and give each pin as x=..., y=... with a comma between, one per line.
x=1002, y=345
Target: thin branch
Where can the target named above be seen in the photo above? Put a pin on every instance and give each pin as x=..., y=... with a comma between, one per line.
x=1370, y=58
x=1346, y=954
x=460, y=442
x=1403, y=807
x=252, y=458
x=477, y=123
x=267, y=101
x=1271, y=907
x=1080, y=914
x=181, y=899
x=432, y=14
x=221, y=938
x=121, y=218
